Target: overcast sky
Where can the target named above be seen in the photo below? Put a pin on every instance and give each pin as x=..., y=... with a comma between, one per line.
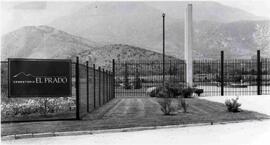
x=15, y=14
x=256, y=7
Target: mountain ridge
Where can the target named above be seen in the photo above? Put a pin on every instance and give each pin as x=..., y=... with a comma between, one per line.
x=102, y=55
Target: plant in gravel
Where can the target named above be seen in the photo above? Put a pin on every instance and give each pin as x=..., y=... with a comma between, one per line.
x=233, y=105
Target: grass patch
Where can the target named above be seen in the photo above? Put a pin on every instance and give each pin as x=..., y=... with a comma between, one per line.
x=139, y=112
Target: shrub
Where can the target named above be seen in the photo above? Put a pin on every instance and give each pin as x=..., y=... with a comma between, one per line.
x=198, y=91
x=232, y=105
x=182, y=104
x=20, y=107
x=153, y=91
x=166, y=106
x=163, y=92
x=174, y=88
x=165, y=100
x=187, y=92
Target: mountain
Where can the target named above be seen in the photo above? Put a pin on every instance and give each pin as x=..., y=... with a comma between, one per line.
x=47, y=42
x=115, y=23
x=239, y=39
x=133, y=30
x=216, y=27
x=43, y=42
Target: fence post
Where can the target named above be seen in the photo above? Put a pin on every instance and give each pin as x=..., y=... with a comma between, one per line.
x=222, y=73
x=103, y=82
x=99, y=86
x=163, y=54
x=94, y=83
x=259, y=81
x=87, y=85
x=110, y=86
x=77, y=78
x=113, y=81
x=170, y=70
x=107, y=86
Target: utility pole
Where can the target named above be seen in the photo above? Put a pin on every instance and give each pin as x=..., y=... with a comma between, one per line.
x=163, y=60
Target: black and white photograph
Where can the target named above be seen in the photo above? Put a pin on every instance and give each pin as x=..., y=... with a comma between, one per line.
x=100, y=72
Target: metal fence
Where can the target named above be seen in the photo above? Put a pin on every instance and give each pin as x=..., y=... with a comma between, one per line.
x=233, y=77
x=91, y=88
x=265, y=62
x=216, y=77
x=133, y=78
x=206, y=74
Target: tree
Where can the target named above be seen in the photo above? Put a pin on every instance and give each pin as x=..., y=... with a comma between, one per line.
x=172, y=70
x=137, y=81
x=126, y=80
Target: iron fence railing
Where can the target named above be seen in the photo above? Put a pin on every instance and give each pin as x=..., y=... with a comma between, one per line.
x=233, y=77
x=215, y=77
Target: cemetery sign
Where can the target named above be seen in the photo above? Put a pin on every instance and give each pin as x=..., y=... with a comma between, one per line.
x=39, y=77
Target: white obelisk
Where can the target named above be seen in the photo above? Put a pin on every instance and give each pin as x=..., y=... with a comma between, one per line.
x=188, y=45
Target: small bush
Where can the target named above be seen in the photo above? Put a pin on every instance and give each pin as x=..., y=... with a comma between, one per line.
x=127, y=86
x=172, y=89
x=187, y=92
x=163, y=93
x=198, y=91
x=42, y=106
x=233, y=105
x=153, y=91
x=182, y=104
x=165, y=100
x=166, y=106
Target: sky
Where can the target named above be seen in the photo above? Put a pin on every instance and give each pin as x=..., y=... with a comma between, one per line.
x=17, y=14
x=256, y=7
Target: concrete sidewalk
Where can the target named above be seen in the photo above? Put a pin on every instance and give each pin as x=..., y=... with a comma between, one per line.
x=246, y=133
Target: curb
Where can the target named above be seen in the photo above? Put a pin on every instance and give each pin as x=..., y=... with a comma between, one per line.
x=74, y=133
